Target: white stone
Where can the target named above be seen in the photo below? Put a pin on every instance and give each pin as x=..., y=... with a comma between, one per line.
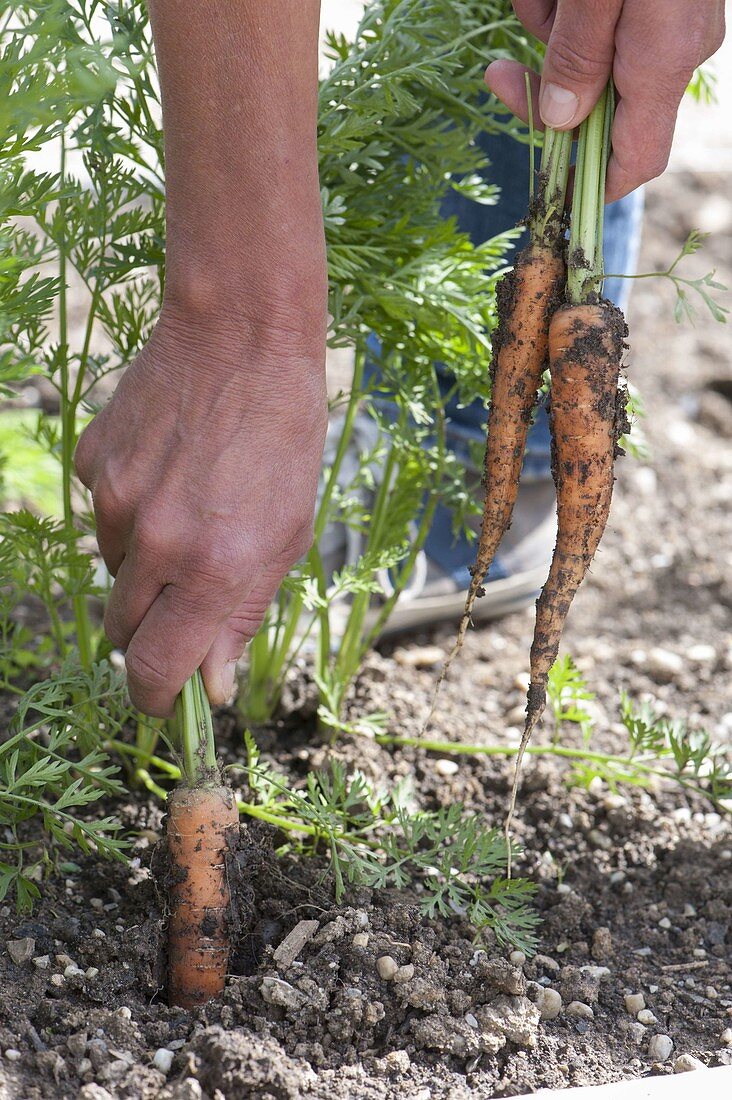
x=550, y=1004
x=634, y=1003
x=42, y=962
x=361, y=939
x=664, y=662
x=404, y=974
x=446, y=767
x=701, y=655
x=387, y=967
x=580, y=1009
x=660, y=1047
x=645, y=1016
x=13, y=1055
x=687, y=1063
x=517, y=958
x=163, y=1059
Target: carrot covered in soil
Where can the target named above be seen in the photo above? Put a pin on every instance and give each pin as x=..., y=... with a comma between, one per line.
x=202, y=829
x=587, y=415
x=526, y=297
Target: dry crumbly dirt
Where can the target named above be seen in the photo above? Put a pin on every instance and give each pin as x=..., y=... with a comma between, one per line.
x=634, y=890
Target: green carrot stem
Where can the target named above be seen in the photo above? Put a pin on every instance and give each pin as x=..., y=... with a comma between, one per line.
x=546, y=220
x=585, y=268
x=195, y=730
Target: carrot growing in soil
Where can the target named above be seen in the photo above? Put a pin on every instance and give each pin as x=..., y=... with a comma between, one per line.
x=202, y=827
x=587, y=413
x=526, y=298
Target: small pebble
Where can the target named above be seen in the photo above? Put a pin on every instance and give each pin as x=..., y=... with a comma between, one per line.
x=91, y=971
x=580, y=1009
x=636, y=1033
x=163, y=1059
x=72, y=970
x=387, y=967
x=550, y=1005
x=686, y=1063
x=544, y=962
x=446, y=767
x=517, y=958
x=21, y=951
x=634, y=1003
x=665, y=664
x=13, y=1055
x=57, y=979
x=64, y=960
x=419, y=656
x=701, y=655
x=660, y=1047
x=124, y=1013
x=404, y=974
x=471, y=1021
x=726, y=1037
x=645, y=1016
x=361, y=939
x=42, y=962
x=522, y=681
x=397, y=1061
x=96, y=903
x=664, y=923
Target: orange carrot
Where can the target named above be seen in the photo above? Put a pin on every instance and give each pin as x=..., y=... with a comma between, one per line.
x=587, y=416
x=526, y=298
x=201, y=821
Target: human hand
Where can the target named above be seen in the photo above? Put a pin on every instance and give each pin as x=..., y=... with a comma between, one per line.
x=203, y=470
x=650, y=47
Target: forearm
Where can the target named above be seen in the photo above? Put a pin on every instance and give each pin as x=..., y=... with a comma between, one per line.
x=239, y=89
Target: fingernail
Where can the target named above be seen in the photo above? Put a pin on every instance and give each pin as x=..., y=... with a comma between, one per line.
x=228, y=681
x=558, y=106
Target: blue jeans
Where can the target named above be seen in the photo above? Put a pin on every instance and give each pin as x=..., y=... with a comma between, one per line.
x=509, y=169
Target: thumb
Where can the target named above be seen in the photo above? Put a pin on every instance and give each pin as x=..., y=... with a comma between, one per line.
x=579, y=60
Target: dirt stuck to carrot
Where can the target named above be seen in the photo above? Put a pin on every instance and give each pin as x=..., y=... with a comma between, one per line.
x=202, y=822
x=587, y=416
x=526, y=297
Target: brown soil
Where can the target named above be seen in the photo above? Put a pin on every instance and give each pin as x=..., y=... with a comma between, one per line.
x=634, y=888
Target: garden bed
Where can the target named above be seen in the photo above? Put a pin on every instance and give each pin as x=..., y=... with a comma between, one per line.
x=634, y=886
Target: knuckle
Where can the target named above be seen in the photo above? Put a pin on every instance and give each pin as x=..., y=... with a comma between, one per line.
x=301, y=542
x=84, y=457
x=153, y=538
x=652, y=164
x=146, y=672
x=577, y=63
x=112, y=505
x=212, y=564
x=247, y=622
x=113, y=628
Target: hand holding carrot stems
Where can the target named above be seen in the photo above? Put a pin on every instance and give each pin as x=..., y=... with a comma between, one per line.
x=650, y=48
